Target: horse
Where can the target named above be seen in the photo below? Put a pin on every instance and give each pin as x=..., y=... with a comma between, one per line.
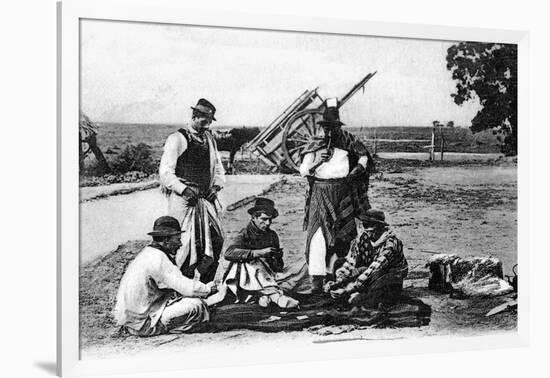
x=233, y=140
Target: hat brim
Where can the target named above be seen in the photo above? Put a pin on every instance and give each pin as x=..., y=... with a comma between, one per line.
x=200, y=111
x=330, y=123
x=165, y=233
x=271, y=211
x=372, y=220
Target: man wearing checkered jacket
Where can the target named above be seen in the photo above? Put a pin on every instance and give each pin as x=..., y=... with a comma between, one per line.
x=375, y=266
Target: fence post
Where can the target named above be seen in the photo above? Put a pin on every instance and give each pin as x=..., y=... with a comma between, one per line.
x=432, y=146
x=375, y=142
x=442, y=143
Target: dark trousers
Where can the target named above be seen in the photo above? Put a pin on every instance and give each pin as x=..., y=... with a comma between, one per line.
x=386, y=290
x=206, y=265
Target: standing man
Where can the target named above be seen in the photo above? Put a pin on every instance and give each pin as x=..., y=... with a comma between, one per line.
x=191, y=175
x=337, y=167
x=154, y=297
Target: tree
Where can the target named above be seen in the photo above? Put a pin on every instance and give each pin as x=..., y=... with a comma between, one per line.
x=87, y=133
x=136, y=158
x=488, y=72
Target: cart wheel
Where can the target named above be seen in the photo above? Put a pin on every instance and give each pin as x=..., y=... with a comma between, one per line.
x=300, y=129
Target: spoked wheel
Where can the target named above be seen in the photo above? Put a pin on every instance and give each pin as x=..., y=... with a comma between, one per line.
x=299, y=131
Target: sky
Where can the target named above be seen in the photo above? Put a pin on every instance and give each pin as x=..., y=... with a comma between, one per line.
x=152, y=73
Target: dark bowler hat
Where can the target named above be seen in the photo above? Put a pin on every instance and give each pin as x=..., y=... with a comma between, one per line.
x=373, y=216
x=205, y=107
x=266, y=206
x=331, y=117
x=166, y=226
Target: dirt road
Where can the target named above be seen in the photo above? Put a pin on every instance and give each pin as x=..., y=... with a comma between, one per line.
x=109, y=221
x=467, y=209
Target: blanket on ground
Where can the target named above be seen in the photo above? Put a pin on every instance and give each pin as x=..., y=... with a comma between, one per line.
x=409, y=312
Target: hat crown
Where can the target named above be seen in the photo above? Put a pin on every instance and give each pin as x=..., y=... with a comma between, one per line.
x=331, y=116
x=266, y=205
x=166, y=223
x=264, y=202
x=373, y=215
x=204, y=106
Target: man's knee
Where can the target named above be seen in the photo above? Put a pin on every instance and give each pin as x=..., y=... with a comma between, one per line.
x=388, y=295
x=197, y=306
x=185, y=312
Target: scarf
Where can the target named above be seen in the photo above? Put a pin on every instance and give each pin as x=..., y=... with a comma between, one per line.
x=254, y=238
x=166, y=251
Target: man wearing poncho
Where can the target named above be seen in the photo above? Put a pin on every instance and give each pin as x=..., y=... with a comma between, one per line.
x=337, y=167
x=375, y=266
x=256, y=267
x=191, y=174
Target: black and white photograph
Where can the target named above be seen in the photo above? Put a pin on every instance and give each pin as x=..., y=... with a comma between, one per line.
x=243, y=187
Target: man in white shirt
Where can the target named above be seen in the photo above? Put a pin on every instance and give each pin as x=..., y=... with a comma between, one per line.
x=154, y=297
x=337, y=167
x=191, y=175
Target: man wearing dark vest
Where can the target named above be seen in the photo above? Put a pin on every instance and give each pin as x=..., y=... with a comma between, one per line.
x=191, y=175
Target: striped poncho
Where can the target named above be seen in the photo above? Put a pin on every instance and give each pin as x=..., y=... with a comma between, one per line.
x=333, y=204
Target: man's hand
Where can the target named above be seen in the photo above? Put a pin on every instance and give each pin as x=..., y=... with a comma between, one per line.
x=213, y=193
x=265, y=252
x=218, y=296
x=222, y=290
x=191, y=192
x=356, y=172
x=325, y=156
x=212, y=287
x=328, y=286
x=338, y=293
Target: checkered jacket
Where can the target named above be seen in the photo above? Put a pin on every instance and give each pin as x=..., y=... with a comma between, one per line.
x=366, y=263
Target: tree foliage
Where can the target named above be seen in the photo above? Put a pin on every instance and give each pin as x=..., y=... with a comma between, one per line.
x=488, y=71
x=135, y=158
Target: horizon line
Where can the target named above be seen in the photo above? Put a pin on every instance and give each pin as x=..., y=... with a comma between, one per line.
x=237, y=126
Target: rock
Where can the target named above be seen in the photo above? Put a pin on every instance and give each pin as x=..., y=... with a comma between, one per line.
x=467, y=277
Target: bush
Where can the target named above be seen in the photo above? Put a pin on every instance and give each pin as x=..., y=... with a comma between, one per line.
x=93, y=169
x=135, y=158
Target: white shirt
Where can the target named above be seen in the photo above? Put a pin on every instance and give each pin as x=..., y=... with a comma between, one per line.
x=336, y=167
x=175, y=145
x=140, y=293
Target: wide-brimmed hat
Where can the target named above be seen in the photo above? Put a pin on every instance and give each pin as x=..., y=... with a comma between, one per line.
x=331, y=117
x=205, y=107
x=166, y=226
x=265, y=205
x=373, y=216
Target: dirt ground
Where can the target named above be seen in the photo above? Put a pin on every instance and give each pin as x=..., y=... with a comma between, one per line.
x=467, y=208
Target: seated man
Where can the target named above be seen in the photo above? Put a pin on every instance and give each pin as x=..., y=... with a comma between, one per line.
x=154, y=297
x=375, y=266
x=255, y=257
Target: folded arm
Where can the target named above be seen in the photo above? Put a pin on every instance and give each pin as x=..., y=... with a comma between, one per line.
x=236, y=254
x=388, y=256
x=239, y=250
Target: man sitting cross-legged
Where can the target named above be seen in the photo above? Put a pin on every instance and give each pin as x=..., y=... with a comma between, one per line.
x=256, y=263
x=154, y=297
x=375, y=266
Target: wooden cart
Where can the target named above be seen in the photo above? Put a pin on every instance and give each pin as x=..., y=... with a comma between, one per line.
x=282, y=142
